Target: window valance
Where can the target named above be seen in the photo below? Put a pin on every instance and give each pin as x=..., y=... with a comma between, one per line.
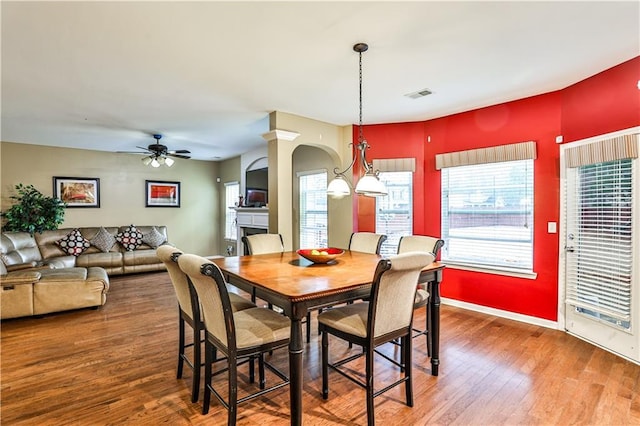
x=617, y=148
x=494, y=154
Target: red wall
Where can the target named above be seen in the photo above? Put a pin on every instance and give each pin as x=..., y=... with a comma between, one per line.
x=604, y=103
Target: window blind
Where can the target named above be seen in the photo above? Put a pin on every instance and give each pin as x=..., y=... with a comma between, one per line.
x=599, y=269
x=313, y=209
x=487, y=215
x=232, y=192
x=394, y=213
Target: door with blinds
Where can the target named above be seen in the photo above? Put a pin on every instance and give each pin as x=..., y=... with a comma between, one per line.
x=601, y=235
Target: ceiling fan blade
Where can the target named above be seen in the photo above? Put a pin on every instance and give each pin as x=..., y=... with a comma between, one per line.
x=180, y=151
x=179, y=156
x=132, y=152
x=144, y=148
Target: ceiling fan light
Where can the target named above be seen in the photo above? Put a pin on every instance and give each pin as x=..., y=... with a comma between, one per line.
x=168, y=162
x=146, y=161
x=161, y=160
x=155, y=163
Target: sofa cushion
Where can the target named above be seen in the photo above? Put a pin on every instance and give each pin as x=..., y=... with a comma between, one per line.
x=154, y=238
x=103, y=240
x=130, y=238
x=73, y=243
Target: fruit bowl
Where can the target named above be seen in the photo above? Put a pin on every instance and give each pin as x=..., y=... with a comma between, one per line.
x=320, y=255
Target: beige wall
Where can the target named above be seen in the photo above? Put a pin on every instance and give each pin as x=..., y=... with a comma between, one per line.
x=334, y=141
x=194, y=227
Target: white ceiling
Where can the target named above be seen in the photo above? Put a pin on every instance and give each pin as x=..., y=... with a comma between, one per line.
x=107, y=75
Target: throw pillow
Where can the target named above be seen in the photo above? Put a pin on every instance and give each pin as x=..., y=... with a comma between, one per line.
x=130, y=238
x=73, y=243
x=103, y=240
x=154, y=238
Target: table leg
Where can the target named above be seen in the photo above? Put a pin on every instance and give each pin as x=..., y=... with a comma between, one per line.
x=296, y=348
x=434, y=331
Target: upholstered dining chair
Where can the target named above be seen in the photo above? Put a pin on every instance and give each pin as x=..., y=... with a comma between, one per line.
x=186, y=314
x=269, y=243
x=367, y=242
x=386, y=316
x=426, y=244
x=240, y=335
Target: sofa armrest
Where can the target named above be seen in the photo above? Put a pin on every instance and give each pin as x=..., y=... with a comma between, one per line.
x=20, y=277
x=21, y=266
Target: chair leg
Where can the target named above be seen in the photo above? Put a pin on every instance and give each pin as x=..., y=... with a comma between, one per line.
x=369, y=378
x=407, y=349
x=233, y=390
x=252, y=371
x=197, y=363
x=325, y=365
x=180, y=346
x=208, y=360
x=308, y=327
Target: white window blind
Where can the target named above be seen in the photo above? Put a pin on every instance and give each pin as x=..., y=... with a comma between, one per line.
x=394, y=213
x=313, y=209
x=599, y=268
x=487, y=215
x=232, y=192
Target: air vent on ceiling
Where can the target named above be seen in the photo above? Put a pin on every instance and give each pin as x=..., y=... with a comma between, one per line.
x=419, y=94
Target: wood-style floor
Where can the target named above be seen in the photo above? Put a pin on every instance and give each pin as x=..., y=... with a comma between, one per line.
x=116, y=365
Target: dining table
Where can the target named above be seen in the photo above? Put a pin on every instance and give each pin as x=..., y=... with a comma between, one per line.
x=297, y=286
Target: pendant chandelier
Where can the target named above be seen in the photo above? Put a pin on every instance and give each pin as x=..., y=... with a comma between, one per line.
x=369, y=184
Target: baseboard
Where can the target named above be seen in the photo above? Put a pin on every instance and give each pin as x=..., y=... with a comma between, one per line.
x=500, y=313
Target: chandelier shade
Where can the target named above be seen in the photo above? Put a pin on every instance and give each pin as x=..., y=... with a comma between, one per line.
x=369, y=184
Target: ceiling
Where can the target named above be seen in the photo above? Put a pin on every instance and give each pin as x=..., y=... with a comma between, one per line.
x=205, y=75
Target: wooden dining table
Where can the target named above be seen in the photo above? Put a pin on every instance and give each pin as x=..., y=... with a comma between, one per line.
x=298, y=286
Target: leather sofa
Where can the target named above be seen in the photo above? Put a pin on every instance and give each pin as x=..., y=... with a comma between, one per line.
x=37, y=277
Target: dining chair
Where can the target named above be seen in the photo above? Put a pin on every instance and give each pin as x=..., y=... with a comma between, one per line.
x=386, y=316
x=367, y=242
x=426, y=244
x=241, y=335
x=186, y=314
x=269, y=243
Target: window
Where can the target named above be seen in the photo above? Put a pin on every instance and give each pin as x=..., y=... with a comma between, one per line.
x=313, y=209
x=232, y=192
x=487, y=215
x=394, y=213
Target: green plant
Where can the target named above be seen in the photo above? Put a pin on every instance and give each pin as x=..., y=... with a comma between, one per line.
x=33, y=211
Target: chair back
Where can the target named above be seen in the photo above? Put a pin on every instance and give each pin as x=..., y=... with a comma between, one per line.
x=264, y=243
x=420, y=243
x=209, y=284
x=366, y=242
x=393, y=292
x=168, y=255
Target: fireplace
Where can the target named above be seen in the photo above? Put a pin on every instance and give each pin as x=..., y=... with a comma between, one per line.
x=251, y=221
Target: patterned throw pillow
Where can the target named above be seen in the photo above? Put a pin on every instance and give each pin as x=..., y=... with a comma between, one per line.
x=103, y=240
x=154, y=238
x=73, y=243
x=130, y=238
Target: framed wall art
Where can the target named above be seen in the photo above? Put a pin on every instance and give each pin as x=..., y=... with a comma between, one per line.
x=77, y=191
x=162, y=193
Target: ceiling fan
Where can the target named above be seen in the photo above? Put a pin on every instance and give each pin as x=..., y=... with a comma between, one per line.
x=158, y=154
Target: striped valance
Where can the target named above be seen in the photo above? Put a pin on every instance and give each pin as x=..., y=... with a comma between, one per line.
x=494, y=154
x=618, y=148
x=395, y=165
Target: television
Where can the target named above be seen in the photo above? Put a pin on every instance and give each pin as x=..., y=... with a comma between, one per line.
x=256, y=198
x=257, y=184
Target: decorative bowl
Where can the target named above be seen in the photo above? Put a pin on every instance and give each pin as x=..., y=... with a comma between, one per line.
x=320, y=255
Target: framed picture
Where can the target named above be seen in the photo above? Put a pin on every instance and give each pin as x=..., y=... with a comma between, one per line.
x=163, y=194
x=77, y=192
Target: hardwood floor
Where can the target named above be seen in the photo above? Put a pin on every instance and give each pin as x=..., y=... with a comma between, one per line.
x=117, y=365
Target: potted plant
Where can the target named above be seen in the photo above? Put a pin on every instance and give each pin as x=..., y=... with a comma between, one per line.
x=33, y=211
